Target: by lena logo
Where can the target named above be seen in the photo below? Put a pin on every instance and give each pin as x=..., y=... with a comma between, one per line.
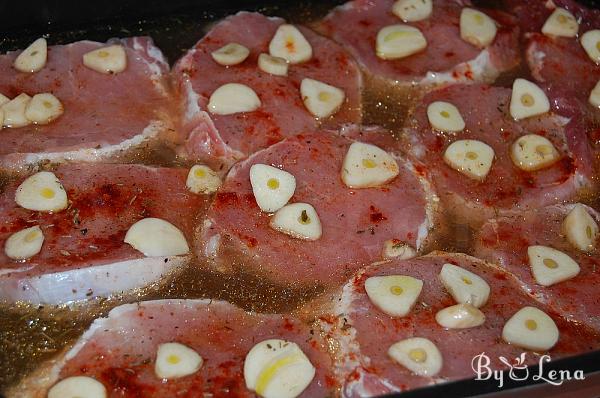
x=518, y=370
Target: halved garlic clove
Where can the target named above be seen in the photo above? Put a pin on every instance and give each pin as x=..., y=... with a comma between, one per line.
x=412, y=10
x=78, y=386
x=532, y=329
x=527, y=100
x=394, y=248
x=399, y=41
x=460, y=316
x=24, y=244
x=108, y=60
x=273, y=65
x=594, y=98
x=464, y=286
x=470, y=157
x=174, y=360
x=477, y=28
x=299, y=220
x=233, y=98
x=395, y=295
x=590, y=41
x=230, y=54
x=290, y=44
x=321, y=99
x=156, y=237
x=33, y=58
x=202, y=179
x=272, y=187
x=561, y=23
x=444, y=116
x=367, y=166
x=14, y=111
x=533, y=152
x=417, y=354
x=580, y=228
x=550, y=266
x=277, y=368
x=42, y=192
x=43, y=108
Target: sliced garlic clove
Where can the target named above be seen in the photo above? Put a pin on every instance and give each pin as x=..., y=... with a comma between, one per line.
x=233, y=98
x=202, y=179
x=590, y=41
x=580, y=228
x=594, y=98
x=43, y=108
x=532, y=329
x=299, y=220
x=464, y=286
x=417, y=354
x=230, y=54
x=460, y=316
x=42, y=192
x=290, y=44
x=277, y=368
x=33, y=58
x=477, y=28
x=394, y=248
x=412, y=10
x=399, y=41
x=4, y=99
x=444, y=116
x=321, y=99
x=561, y=23
x=367, y=166
x=24, y=244
x=174, y=360
x=471, y=157
x=395, y=295
x=271, y=186
x=156, y=237
x=108, y=60
x=533, y=152
x=273, y=65
x=76, y=387
x=14, y=111
x=550, y=266
x=527, y=100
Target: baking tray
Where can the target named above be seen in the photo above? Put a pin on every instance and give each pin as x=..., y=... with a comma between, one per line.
x=175, y=26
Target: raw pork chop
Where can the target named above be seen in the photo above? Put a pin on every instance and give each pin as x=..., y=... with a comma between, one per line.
x=447, y=58
x=282, y=113
x=104, y=115
x=505, y=240
x=83, y=254
x=119, y=351
x=531, y=15
x=365, y=332
x=485, y=111
x=355, y=222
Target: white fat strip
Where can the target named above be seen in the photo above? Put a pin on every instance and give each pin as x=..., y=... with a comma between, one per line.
x=481, y=68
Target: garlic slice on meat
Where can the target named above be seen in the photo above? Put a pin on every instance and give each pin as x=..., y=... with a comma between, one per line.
x=290, y=44
x=299, y=220
x=321, y=99
x=33, y=58
x=419, y=355
x=155, y=237
x=230, y=54
x=4, y=99
x=527, y=100
x=594, y=98
x=42, y=192
x=590, y=41
x=477, y=28
x=76, y=387
x=533, y=152
x=550, y=266
x=464, y=286
x=14, y=111
x=273, y=65
x=470, y=157
x=175, y=360
x=412, y=10
x=277, y=368
x=43, y=108
x=444, y=116
x=561, y=23
x=399, y=41
x=367, y=166
x=460, y=316
x=580, y=228
x=24, y=244
x=532, y=329
x=395, y=295
x=109, y=60
x=233, y=98
x=202, y=179
x=272, y=187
